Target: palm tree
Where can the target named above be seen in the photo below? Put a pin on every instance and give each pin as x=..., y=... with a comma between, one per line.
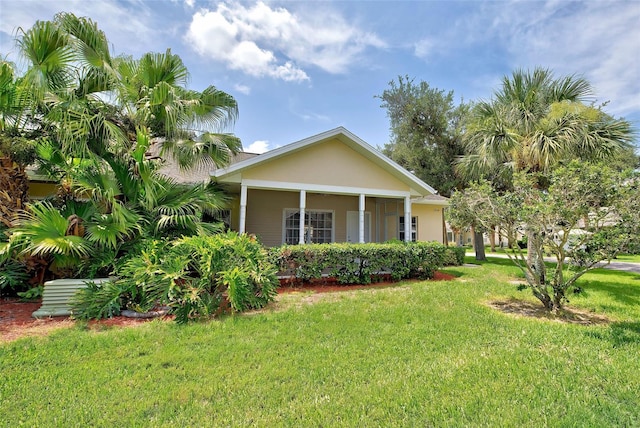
x=16, y=146
x=534, y=123
x=101, y=100
x=152, y=90
x=97, y=116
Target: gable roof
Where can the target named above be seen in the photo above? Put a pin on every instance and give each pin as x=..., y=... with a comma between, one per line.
x=232, y=172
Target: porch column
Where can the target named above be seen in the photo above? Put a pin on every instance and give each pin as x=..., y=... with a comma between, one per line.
x=303, y=205
x=361, y=219
x=407, y=218
x=243, y=208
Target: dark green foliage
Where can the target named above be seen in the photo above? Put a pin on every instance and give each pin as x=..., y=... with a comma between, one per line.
x=426, y=131
x=89, y=118
x=101, y=300
x=454, y=256
x=19, y=149
x=32, y=293
x=196, y=277
x=13, y=276
x=359, y=263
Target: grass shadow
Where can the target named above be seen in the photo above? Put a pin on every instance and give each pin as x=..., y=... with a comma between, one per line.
x=623, y=333
x=452, y=271
x=491, y=261
x=619, y=291
x=619, y=333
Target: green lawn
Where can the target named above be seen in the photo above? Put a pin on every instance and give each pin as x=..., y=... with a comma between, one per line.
x=632, y=258
x=419, y=354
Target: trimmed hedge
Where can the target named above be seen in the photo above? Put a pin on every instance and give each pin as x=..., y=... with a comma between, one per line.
x=359, y=263
x=454, y=256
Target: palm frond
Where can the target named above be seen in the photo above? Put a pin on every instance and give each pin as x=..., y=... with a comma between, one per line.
x=44, y=229
x=47, y=49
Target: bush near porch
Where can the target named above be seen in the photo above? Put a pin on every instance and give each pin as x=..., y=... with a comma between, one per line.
x=194, y=277
x=362, y=263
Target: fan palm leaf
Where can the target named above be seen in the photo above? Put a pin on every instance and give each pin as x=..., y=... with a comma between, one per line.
x=43, y=230
x=46, y=48
x=535, y=121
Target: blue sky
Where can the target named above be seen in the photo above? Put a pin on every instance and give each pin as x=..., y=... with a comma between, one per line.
x=301, y=68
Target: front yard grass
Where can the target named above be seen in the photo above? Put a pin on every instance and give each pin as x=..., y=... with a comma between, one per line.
x=630, y=258
x=418, y=354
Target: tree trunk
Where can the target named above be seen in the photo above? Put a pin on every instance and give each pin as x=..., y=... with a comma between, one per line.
x=478, y=245
x=492, y=238
x=14, y=187
x=535, y=260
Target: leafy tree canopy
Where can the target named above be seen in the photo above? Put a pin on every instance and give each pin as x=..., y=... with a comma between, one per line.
x=536, y=122
x=587, y=215
x=426, y=129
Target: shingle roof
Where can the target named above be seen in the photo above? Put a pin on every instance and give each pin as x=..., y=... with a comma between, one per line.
x=201, y=174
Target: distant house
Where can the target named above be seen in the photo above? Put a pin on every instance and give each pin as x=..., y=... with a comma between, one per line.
x=331, y=187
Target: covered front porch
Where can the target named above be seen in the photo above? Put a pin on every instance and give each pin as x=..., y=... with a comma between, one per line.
x=297, y=216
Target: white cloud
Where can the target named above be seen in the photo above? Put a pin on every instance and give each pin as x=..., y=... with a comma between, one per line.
x=258, y=146
x=264, y=41
x=598, y=40
x=243, y=89
x=189, y=3
x=423, y=48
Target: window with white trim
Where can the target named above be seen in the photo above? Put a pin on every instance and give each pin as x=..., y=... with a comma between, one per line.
x=318, y=226
x=414, y=229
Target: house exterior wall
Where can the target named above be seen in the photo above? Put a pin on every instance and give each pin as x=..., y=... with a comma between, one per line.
x=430, y=227
x=38, y=190
x=331, y=163
x=265, y=215
x=265, y=212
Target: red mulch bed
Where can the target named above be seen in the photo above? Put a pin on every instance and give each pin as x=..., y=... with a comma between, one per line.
x=329, y=285
x=16, y=320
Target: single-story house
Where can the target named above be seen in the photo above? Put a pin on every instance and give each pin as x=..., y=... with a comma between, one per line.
x=331, y=187
x=342, y=188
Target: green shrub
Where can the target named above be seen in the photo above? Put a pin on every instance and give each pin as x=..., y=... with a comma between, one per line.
x=196, y=277
x=13, y=277
x=103, y=300
x=33, y=293
x=359, y=263
x=454, y=256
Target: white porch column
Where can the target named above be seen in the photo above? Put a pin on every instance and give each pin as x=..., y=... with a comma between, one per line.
x=243, y=208
x=407, y=218
x=303, y=205
x=361, y=219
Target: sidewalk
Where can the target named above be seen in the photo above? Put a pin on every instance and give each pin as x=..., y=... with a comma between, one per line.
x=614, y=265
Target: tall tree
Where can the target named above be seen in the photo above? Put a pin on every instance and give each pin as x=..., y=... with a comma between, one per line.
x=16, y=145
x=579, y=190
x=101, y=100
x=534, y=123
x=152, y=91
x=426, y=129
x=98, y=116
